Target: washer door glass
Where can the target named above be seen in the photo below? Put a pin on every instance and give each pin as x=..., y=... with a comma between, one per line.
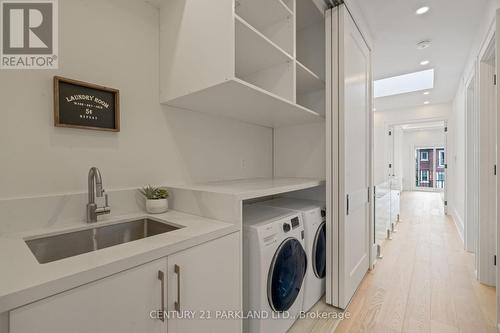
x=286, y=274
x=319, y=252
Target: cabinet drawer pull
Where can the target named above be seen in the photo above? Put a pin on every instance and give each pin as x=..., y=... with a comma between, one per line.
x=161, y=277
x=177, y=303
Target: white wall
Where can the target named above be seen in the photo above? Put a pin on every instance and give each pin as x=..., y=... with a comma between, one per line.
x=459, y=116
x=300, y=155
x=456, y=143
x=382, y=121
x=410, y=141
x=487, y=226
x=115, y=43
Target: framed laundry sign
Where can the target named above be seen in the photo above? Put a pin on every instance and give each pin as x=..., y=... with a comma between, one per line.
x=85, y=105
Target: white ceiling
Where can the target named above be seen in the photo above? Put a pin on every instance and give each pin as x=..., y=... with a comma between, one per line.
x=451, y=25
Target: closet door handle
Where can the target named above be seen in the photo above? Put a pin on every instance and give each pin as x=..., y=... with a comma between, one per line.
x=177, y=303
x=161, y=277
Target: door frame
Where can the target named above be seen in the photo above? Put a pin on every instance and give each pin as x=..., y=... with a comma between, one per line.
x=332, y=181
x=486, y=272
x=391, y=124
x=344, y=212
x=390, y=134
x=471, y=162
x=497, y=243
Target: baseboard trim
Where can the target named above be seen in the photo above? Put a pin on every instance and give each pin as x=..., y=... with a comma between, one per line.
x=459, y=223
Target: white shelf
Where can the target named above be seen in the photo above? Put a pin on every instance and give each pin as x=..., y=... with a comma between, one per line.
x=243, y=101
x=307, y=81
x=254, y=51
x=245, y=189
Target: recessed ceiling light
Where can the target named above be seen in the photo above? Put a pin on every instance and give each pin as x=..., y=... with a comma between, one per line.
x=425, y=62
x=422, y=10
x=423, y=44
x=426, y=93
x=427, y=102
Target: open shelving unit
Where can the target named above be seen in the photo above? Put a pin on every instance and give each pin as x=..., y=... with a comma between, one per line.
x=261, y=66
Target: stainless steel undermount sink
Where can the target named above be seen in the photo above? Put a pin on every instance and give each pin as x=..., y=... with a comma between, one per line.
x=56, y=247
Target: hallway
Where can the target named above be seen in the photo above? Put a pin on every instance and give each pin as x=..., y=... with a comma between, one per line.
x=425, y=282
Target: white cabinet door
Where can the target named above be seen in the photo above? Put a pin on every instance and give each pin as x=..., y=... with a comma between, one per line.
x=209, y=277
x=348, y=156
x=119, y=303
x=354, y=151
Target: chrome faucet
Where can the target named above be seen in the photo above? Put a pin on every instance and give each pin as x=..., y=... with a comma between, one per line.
x=96, y=190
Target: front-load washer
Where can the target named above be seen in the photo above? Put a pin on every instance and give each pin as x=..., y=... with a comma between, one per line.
x=274, y=266
x=314, y=217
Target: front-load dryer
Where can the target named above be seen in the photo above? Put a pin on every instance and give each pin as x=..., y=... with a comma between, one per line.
x=314, y=217
x=274, y=266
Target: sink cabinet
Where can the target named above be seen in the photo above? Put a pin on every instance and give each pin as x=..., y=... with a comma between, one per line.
x=118, y=303
x=209, y=279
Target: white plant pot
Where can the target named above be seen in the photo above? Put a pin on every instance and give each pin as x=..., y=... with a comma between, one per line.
x=157, y=206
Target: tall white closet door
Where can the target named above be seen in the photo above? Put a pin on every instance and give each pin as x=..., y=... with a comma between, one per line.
x=496, y=236
x=350, y=165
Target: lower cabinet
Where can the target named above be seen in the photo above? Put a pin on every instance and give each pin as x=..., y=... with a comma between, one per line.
x=119, y=303
x=204, y=283
x=129, y=301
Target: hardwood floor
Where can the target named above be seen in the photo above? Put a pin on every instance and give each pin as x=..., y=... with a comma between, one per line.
x=424, y=283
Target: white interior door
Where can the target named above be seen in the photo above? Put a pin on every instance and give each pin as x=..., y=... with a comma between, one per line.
x=487, y=226
x=354, y=150
x=349, y=173
x=496, y=236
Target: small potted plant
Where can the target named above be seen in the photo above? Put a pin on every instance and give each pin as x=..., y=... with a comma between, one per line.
x=156, y=199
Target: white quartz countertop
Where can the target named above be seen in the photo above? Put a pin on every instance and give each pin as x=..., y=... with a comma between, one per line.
x=24, y=280
x=244, y=189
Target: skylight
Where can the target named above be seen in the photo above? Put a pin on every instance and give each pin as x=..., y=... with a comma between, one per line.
x=430, y=125
x=404, y=84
